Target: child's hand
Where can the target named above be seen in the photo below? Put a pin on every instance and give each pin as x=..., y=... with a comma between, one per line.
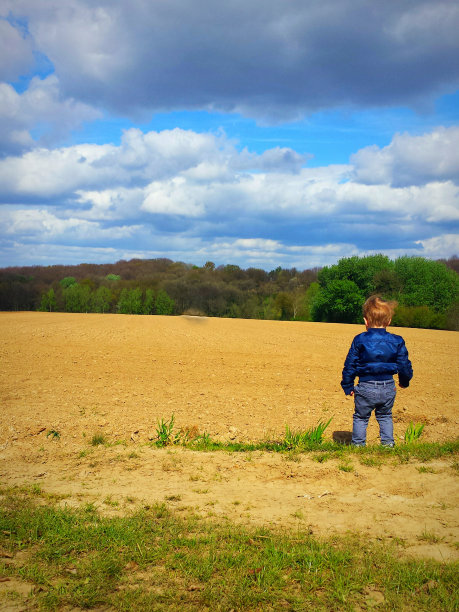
x=350, y=394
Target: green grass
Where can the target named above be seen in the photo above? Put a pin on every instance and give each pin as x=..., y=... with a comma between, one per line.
x=304, y=439
x=310, y=441
x=371, y=461
x=155, y=559
x=53, y=434
x=98, y=439
x=423, y=469
x=346, y=467
x=324, y=451
x=414, y=432
x=430, y=538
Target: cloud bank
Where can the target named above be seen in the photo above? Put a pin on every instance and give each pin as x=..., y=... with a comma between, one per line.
x=186, y=193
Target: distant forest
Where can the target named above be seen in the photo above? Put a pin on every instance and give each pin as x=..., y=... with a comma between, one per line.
x=427, y=291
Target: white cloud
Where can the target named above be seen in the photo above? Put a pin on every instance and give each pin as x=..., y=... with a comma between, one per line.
x=440, y=247
x=163, y=187
x=256, y=243
x=411, y=160
x=40, y=223
x=174, y=197
x=55, y=172
x=109, y=204
x=40, y=106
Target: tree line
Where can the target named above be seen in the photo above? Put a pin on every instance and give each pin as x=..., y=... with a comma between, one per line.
x=427, y=291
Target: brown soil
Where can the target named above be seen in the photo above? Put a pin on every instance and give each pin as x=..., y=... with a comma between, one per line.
x=235, y=379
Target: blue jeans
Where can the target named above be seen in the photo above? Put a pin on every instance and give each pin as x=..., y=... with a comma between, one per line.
x=378, y=396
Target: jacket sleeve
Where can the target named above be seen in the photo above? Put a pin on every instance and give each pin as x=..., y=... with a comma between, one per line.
x=405, y=370
x=350, y=368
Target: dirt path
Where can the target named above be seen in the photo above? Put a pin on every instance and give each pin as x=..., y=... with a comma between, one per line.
x=117, y=375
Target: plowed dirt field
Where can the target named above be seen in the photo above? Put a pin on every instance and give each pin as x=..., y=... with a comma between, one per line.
x=244, y=380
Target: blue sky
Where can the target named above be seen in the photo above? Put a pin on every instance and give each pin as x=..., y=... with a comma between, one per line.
x=253, y=133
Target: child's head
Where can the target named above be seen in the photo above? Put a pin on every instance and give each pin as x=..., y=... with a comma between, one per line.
x=377, y=312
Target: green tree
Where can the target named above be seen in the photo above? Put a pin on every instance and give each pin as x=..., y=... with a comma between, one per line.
x=149, y=302
x=130, y=301
x=452, y=316
x=48, y=301
x=284, y=303
x=164, y=305
x=419, y=316
x=101, y=299
x=252, y=307
x=77, y=298
x=233, y=311
x=68, y=281
x=387, y=284
x=304, y=301
x=340, y=301
x=427, y=283
x=361, y=270
x=123, y=304
x=271, y=310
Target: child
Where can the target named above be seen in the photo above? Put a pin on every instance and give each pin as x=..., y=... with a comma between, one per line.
x=375, y=356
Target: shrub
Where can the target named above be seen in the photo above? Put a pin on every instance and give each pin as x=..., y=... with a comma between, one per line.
x=419, y=316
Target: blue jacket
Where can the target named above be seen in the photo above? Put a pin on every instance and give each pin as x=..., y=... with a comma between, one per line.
x=376, y=355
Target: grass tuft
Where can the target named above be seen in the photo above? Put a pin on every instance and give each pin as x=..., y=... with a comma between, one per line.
x=413, y=432
x=165, y=435
x=53, y=434
x=98, y=439
x=304, y=439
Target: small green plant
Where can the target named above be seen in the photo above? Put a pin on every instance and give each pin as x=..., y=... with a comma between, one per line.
x=53, y=434
x=201, y=441
x=293, y=455
x=322, y=457
x=108, y=501
x=98, y=439
x=298, y=514
x=165, y=433
x=414, y=432
x=301, y=439
x=371, y=461
x=430, y=538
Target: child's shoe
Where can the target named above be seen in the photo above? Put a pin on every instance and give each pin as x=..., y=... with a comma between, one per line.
x=388, y=444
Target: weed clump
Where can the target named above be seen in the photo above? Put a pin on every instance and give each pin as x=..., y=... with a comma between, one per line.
x=98, y=439
x=304, y=439
x=413, y=432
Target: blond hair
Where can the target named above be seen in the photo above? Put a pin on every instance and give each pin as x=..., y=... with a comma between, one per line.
x=378, y=312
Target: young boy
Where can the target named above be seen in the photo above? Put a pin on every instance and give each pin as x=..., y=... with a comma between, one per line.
x=375, y=356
